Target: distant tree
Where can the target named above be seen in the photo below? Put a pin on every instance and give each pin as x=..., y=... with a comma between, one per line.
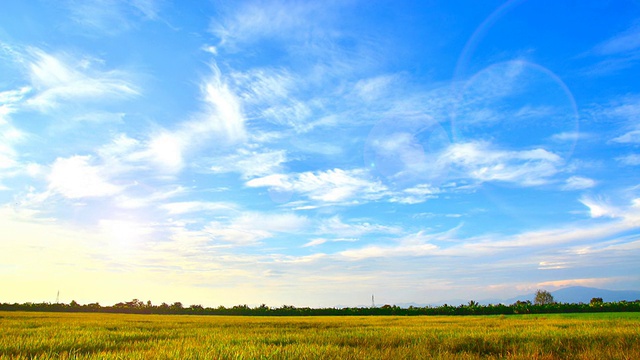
x=473, y=303
x=94, y=306
x=176, y=305
x=596, y=301
x=134, y=304
x=543, y=297
x=522, y=303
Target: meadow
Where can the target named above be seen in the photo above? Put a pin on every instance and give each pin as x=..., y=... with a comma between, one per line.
x=37, y=335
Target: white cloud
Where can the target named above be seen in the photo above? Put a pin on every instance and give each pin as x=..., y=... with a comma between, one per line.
x=626, y=108
x=630, y=160
x=600, y=207
x=264, y=85
x=414, y=245
x=624, y=42
x=287, y=222
x=335, y=226
x=251, y=163
x=165, y=151
x=219, y=125
x=579, y=183
x=408, y=150
x=631, y=137
x=479, y=161
x=8, y=155
x=9, y=134
x=371, y=89
x=272, y=94
x=141, y=201
x=221, y=120
x=294, y=114
x=551, y=265
x=111, y=16
x=223, y=113
x=475, y=160
x=331, y=186
x=76, y=178
x=185, y=207
x=98, y=117
x=59, y=79
x=162, y=152
x=149, y=8
x=416, y=195
x=251, y=228
x=9, y=98
x=315, y=242
x=253, y=21
x=568, y=136
x=432, y=245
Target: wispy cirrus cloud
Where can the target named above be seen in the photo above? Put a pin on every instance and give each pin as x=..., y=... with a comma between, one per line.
x=629, y=160
x=251, y=163
x=10, y=136
x=337, y=227
x=419, y=244
x=445, y=244
x=147, y=199
x=625, y=111
x=111, y=16
x=59, y=79
x=472, y=161
x=579, y=183
x=220, y=121
x=336, y=186
x=620, y=52
x=250, y=228
x=416, y=194
x=601, y=207
x=630, y=137
x=187, y=207
x=255, y=20
x=624, y=42
x=482, y=162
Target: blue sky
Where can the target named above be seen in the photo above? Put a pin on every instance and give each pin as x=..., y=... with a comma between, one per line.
x=316, y=153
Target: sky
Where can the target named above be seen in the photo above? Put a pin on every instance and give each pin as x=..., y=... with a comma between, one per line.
x=317, y=153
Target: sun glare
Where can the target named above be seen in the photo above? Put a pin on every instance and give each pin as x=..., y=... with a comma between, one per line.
x=123, y=235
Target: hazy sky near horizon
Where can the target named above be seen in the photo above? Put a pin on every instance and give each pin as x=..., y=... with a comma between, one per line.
x=314, y=153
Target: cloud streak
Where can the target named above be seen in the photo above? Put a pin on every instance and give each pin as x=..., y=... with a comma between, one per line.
x=59, y=80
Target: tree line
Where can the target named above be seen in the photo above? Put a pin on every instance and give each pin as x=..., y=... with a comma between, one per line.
x=472, y=308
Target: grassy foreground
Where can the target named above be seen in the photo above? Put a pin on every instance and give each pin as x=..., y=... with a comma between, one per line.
x=118, y=336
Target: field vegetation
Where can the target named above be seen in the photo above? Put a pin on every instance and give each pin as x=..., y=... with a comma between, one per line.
x=55, y=335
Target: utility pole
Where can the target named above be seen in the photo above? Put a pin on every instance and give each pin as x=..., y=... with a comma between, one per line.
x=373, y=303
x=58, y=297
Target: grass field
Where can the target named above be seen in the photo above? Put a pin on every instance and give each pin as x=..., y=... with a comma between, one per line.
x=116, y=336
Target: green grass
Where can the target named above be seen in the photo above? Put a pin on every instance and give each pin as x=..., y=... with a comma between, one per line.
x=118, y=336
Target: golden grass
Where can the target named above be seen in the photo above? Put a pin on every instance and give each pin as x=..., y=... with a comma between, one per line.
x=118, y=336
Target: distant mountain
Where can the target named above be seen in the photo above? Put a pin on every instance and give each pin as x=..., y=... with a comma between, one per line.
x=578, y=294
x=573, y=294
